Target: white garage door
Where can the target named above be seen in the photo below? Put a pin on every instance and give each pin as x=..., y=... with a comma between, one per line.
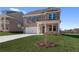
x=30, y=30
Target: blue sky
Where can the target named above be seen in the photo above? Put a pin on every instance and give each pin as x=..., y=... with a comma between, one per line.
x=69, y=15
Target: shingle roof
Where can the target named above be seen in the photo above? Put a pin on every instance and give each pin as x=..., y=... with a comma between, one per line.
x=3, y=12
x=42, y=10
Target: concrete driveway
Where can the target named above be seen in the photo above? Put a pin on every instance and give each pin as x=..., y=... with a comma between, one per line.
x=13, y=37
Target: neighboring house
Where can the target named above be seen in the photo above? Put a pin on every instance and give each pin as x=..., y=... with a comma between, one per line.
x=11, y=21
x=42, y=21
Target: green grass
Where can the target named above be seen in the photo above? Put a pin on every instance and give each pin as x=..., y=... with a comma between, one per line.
x=27, y=44
x=7, y=33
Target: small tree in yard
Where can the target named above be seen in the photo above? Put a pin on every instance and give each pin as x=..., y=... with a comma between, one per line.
x=45, y=43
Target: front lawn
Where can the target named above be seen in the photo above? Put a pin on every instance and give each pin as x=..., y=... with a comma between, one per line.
x=27, y=44
x=7, y=33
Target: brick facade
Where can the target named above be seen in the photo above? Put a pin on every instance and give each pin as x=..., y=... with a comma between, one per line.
x=44, y=21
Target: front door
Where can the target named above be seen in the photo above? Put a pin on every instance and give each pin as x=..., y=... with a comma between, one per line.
x=43, y=29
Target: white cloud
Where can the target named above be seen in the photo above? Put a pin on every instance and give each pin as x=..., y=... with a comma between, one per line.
x=24, y=12
x=14, y=9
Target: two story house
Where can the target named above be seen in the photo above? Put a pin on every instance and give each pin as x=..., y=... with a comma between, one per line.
x=11, y=21
x=42, y=21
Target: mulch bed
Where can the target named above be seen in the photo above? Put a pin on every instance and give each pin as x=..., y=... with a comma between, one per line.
x=48, y=44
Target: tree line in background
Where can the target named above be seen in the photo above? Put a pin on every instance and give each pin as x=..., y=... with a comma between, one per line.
x=76, y=30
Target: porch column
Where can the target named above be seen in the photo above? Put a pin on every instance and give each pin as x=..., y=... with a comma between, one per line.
x=52, y=27
x=58, y=28
x=4, y=23
x=45, y=19
x=45, y=26
x=38, y=28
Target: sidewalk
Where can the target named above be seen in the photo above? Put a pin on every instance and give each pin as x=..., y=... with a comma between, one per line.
x=13, y=37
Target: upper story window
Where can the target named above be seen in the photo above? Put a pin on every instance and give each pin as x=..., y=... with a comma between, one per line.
x=54, y=16
x=44, y=17
x=33, y=18
x=37, y=18
x=2, y=20
x=51, y=16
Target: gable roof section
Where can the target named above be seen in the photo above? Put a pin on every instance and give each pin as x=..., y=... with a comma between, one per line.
x=43, y=10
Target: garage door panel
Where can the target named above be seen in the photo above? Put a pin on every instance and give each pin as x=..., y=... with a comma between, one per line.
x=31, y=30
